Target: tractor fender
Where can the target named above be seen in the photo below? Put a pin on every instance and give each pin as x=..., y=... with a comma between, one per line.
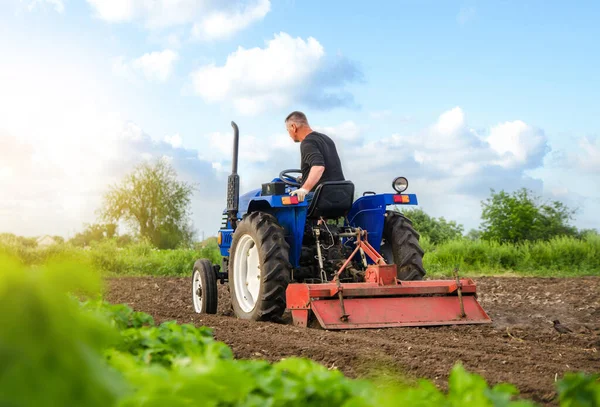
x=261, y=205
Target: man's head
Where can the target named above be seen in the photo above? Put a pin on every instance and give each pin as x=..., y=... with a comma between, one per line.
x=297, y=126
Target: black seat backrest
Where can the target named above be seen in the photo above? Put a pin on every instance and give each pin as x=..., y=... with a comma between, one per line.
x=332, y=199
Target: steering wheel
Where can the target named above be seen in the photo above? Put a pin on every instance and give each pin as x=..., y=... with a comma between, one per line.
x=289, y=180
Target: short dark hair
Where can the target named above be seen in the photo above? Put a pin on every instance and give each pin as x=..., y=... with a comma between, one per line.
x=297, y=117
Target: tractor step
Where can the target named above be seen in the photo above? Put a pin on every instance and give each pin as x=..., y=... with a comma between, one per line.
x=372, y=305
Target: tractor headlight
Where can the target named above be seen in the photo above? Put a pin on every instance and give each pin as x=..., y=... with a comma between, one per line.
x=400, y=184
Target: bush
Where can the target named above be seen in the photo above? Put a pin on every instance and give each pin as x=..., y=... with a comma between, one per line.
x=436, y=230
x=559, y=256
x=521, y=216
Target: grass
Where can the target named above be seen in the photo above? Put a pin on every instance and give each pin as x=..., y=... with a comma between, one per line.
x=558, y=257
x=139, y=259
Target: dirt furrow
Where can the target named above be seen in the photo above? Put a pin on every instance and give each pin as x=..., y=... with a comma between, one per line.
x=520, y=346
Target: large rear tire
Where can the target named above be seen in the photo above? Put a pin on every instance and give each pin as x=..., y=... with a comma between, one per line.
x=401, y=246
x=259, y=268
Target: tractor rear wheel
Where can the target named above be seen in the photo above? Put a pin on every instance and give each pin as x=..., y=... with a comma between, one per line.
x=401, y=246
x=259, y=268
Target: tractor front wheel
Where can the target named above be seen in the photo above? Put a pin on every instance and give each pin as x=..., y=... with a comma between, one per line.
x=401, y=246
x=204, y=287
x=259, y=268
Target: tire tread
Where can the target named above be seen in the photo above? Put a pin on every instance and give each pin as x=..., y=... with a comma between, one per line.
x=404, y=239
x=275, y=267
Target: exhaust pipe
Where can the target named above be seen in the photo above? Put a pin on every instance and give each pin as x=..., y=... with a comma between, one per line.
x=233, y=182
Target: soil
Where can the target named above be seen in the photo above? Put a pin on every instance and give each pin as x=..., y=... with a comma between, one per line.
x=519, y=347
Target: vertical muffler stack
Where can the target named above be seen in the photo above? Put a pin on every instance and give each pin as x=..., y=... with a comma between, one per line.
x=233, y=182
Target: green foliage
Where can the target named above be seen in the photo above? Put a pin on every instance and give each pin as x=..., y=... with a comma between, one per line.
x=9, y=239
x=94, y=233
x=143, y=259
x=587, y=233
x=464, y=389
x=522, y=217
x=94, y=354
x=474, y=234
x=579, y=390
x=32, y=255
x=560, y=256
x=135, y=259
x=151, y=344
x=437, y=230
x=154, y=203
x=50, y=353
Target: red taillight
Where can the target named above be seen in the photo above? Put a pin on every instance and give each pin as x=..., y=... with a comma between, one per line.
x=289, y=200
x=401, y=199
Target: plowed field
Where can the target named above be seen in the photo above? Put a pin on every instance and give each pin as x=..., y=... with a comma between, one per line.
x=521, y=346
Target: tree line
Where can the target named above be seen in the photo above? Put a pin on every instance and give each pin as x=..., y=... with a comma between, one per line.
x=515, y=217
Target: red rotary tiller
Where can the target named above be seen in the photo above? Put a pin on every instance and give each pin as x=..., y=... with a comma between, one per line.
x=382, y=300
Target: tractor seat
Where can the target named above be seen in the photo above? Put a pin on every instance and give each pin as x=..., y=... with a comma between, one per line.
x=331, y=200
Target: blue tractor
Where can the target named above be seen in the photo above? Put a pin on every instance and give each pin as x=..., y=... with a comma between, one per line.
x=322, y=258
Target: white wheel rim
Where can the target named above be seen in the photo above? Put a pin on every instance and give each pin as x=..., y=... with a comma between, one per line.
x=196, y=292
x=246, y=273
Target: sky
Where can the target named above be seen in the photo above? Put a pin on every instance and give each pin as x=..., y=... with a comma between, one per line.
x=460, y=97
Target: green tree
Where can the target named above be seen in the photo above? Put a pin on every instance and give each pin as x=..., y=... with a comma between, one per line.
x=154, y=203
x=521, y=216
x=58, y=239
x=94, y=232
x=474, y=234
x=12, y=239
x=437, y=230
x=586, y=233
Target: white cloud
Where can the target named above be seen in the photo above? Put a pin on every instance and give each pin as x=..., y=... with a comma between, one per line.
x=154, y=66
x=224, y=23
x=347, y=132
x=288, y=70
x=560, y=192
x=588, y=159
x=450, y=123
x=450, y=158
x=218, y=149
x=62, y=144
x=114, y=10
x=46, y=193
x=516, y=142
x=175, y=140
x=210, y=19
x=451, y=147
x=58, y=5
x=173, y=40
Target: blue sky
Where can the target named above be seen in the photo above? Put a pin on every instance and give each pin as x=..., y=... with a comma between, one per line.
x=460, y=97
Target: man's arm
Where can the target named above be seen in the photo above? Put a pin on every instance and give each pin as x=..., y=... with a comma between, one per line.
x=313, y=178
x=311, y=155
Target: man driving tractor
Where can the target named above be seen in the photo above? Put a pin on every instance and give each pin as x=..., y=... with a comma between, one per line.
x=278, y=254
x=319, y=158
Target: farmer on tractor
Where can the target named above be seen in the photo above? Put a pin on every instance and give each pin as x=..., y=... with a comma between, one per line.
x=319, y=158
x=348, y=262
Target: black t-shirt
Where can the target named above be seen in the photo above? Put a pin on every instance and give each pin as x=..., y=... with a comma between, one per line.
x=318, y=149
